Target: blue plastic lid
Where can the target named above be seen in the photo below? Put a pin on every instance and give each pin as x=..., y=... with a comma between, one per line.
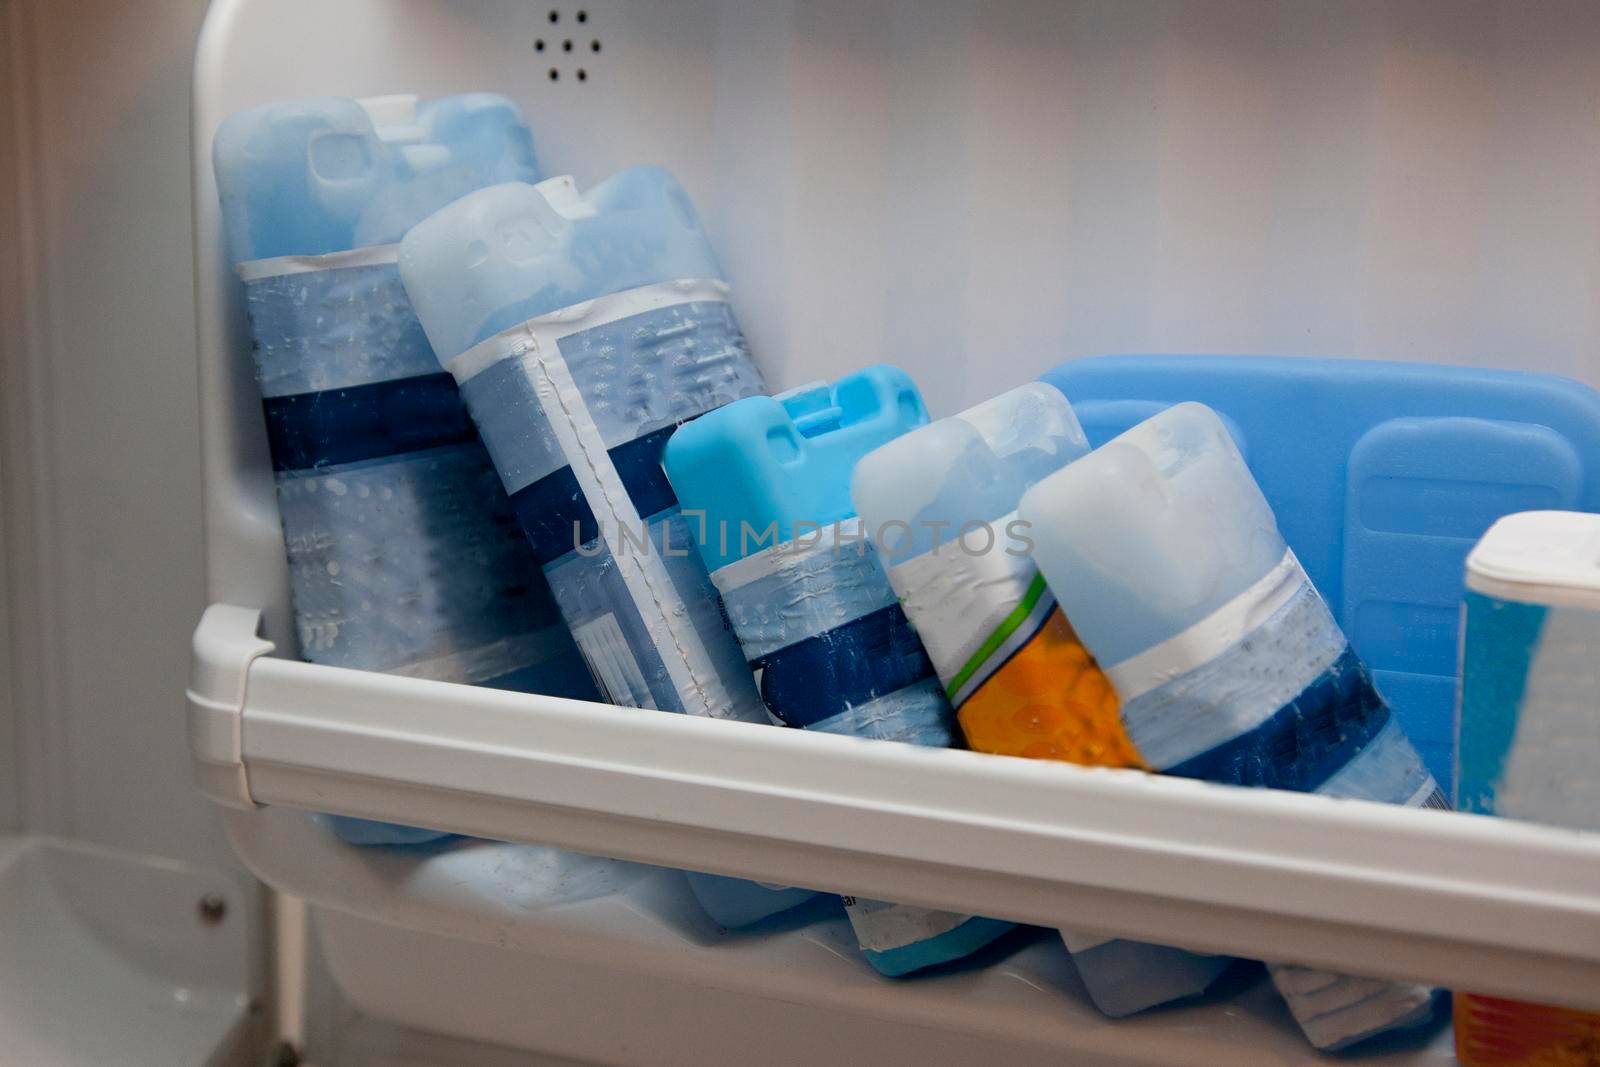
x=311, y=177
x=785, y=459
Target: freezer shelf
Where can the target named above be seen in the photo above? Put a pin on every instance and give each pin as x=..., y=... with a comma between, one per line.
x=1463, y=901
x=529, y=962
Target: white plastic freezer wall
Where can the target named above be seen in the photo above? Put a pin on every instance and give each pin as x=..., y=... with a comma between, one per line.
x=129, y=931
x=974, y=191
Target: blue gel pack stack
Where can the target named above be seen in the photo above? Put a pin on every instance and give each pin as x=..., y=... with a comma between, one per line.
x=403, y=555
x=1409, y=464
x=582, y=330
x=768, y=480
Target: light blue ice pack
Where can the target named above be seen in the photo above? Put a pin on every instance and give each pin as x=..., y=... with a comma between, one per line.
x=1382, y=475
x=582, y=331
x=403, y=555
x=1227, y=663
x=311, y=177
x=939, y=501
x=768, y=481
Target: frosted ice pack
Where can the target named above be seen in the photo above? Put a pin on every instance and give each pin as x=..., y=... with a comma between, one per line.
x=403, y=556
x=940, y=504
x=582, y=331
x=1528, y=737
x=1229, y=667
x=768, y=481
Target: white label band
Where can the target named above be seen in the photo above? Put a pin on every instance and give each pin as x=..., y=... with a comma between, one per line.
x=1212, y=635
x=535, y=344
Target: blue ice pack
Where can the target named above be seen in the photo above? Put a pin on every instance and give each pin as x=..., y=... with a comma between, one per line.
x=1227, y=663
x=403, y=555
x=1382, y=475
x=767, y=480
x=582, y=330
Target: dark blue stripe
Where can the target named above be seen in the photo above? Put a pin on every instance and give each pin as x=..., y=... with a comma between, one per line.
x=1306, y=741
x=819, y=677
x=548, y=507
x=638, y=464
x=365, y=422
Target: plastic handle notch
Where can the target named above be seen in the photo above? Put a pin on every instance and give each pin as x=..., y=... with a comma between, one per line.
x=225, y=644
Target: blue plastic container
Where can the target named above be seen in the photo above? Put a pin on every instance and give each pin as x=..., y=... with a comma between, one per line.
x=769, y=479
x=403, y=555
x=1407, y=466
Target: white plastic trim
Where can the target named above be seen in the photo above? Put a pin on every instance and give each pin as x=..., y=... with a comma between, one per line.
x=225, y=644
x=1467, y=901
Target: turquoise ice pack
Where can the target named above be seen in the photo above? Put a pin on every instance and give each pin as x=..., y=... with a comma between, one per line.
x=403, y=556
x=767, y=479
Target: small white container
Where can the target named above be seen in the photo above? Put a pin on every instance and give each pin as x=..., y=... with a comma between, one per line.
x=1528, y=728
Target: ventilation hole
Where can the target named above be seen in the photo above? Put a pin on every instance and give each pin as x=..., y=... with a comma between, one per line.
x=212, y=909
x=594, y=46
x=538, y=46
x=583, y=16
x=583, y=75
x=566, y=46
x=555, y=16
x=555, y=75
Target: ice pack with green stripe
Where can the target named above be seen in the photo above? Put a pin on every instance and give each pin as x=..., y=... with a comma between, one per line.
x=942, y=504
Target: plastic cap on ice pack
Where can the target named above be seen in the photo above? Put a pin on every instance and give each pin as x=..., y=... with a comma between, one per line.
x=971, y=467
x=513, y=252
x=786, y=459
x=311, y=177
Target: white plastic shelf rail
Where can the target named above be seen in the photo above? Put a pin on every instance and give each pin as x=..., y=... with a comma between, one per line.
x=1461, y=900
x=1142, y=139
